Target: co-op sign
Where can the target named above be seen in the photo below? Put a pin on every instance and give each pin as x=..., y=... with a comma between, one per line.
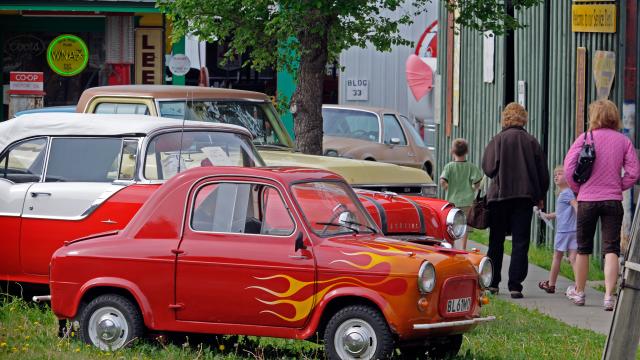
x=26, y=83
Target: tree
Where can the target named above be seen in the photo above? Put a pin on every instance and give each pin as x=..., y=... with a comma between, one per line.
x=302, y=36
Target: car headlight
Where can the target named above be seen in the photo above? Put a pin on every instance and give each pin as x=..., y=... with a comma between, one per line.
x=456, y=223
x=429, y=191
x=426, y=277
x=485, y=272
x=331, y=153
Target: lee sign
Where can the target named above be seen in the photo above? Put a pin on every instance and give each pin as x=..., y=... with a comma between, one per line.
x=358, y=89
x=148, y=62
x=26, y=83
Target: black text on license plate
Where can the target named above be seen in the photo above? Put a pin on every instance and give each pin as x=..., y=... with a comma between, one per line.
x=459, y=305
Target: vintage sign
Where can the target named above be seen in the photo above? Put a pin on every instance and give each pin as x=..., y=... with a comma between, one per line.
x=148, y=62
x=358, y=89
x=67, y=55
x=593, y=18
x=26, y=83
x=522, y=93
x=581, y=73
x=604, y=70
x=179, y=64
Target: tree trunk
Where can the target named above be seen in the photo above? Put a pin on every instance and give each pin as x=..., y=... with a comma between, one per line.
x=306, y=102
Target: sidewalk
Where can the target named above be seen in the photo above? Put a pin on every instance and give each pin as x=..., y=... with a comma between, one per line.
x=591, y=316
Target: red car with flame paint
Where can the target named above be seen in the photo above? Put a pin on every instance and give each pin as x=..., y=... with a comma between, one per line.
x=281, y=252
x=64, y=176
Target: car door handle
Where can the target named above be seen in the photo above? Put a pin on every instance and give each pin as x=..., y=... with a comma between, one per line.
x=38, y=193
x=411, y=154
x=298, y=257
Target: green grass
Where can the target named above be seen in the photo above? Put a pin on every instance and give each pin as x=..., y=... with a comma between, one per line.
x=29, y=332
x=541, y=256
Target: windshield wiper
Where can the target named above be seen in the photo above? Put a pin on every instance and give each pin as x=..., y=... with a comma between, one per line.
x=373, y=230
x=339, y=225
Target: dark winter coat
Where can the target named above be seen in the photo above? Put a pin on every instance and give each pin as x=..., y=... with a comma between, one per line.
x=514, y=160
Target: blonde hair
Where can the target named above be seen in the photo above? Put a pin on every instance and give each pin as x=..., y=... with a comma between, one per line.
x=558, y=168
x=514, y=114
x=604, y=114
x=459, y=147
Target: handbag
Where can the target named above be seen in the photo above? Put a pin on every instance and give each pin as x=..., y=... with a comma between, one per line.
x=478, y=217
x=586, y=158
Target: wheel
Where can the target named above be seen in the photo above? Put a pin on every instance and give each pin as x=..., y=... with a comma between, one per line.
x=428, y=168
x=110, y=322
x=358, y=332
x=441, y=348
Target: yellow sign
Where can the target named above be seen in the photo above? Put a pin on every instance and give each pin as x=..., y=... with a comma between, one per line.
x=149, y=62
x=593, y=18
x=67, y=55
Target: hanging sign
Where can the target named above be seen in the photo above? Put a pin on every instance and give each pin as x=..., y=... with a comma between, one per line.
x=148, y=59
x=593, y=18
x=604, y=70
x=67, y=55
x=179, y=64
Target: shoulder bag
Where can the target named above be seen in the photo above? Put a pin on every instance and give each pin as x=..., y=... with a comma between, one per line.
x=586, y=158
x=478, y=216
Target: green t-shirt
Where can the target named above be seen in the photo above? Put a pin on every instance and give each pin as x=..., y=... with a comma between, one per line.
x=461, y=176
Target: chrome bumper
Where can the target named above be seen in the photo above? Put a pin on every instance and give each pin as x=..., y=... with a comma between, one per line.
x=453, y=323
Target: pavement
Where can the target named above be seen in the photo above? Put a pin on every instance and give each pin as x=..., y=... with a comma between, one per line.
x=591, y=316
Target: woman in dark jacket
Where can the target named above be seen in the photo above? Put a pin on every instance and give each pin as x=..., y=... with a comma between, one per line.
x=514, y=161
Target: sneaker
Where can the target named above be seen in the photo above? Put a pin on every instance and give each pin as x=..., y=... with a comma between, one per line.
x=493, y=290
x=608, y=303
x=576, y=297
x=516, y=294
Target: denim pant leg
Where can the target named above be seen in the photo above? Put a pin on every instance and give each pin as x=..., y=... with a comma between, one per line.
x=497, y=230
x=521, y=212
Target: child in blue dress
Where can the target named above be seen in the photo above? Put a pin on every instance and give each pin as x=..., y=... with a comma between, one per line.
x=565, y=240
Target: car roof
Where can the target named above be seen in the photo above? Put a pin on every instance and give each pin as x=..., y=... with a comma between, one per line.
x=75, y=124
x=359, y=107
x=169, y=92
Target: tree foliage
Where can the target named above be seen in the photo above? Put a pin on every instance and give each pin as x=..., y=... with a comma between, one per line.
x=302, y=36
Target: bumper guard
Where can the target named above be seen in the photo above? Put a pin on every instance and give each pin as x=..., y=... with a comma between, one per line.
x=446, y=324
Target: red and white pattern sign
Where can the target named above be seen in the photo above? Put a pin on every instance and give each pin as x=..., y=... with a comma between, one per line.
x=26, y=83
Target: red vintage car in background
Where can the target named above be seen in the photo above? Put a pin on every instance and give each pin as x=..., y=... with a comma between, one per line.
x=64, y=176
x=282, y=252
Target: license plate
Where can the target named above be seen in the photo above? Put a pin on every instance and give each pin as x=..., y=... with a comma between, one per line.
x=458, y=305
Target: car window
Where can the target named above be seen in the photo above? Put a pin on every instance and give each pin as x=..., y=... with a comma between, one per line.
x=392, y=130
x=352, y=124
x=417, y=139
x=121, y=108
x=170, y=153
x=84, y=159
x=241, y=208
x=24, y=161
x=128, y=159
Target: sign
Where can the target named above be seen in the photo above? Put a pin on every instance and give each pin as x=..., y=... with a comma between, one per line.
x=522, y=93
x=581, y=73
x=67, y=55
x=593, y=18
x=148, y=59
x=26, y=83
x=179, y=64
x=604, y=70
x=488, y=56
x=358, y=90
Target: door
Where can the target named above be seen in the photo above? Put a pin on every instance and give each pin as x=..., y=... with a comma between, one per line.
x=239, y=263
x=397, y=152
x=78, y=179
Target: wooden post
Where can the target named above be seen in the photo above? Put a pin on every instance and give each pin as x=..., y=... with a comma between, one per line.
x=581, y=62
x=622, y=342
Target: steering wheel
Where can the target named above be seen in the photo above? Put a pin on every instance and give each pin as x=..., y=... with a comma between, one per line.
x=337, y=210
x=360, y=133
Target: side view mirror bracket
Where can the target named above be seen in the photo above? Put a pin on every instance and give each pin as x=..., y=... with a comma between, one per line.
x=300, y=242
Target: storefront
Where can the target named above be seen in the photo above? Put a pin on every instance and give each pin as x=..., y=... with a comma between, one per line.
x=81, y=44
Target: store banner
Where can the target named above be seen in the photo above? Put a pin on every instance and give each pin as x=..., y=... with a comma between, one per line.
x=26, y=83
x=149, y=60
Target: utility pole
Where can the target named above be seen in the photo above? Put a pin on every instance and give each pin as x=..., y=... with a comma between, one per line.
x=622, y=342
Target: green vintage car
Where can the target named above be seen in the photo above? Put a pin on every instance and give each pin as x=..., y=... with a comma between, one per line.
x=254, y=111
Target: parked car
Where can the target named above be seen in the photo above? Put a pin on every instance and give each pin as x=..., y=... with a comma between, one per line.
x=64, y=176
x=255, y=112
x=282, y=252
x=375, y=134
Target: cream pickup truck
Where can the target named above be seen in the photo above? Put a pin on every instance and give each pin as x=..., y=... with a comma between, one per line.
x=255, y=112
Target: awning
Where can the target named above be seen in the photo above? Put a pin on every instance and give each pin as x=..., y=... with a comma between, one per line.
x=83, y=6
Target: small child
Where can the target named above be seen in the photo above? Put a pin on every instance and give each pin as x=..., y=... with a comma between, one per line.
x=460, y=179
x=565, y=240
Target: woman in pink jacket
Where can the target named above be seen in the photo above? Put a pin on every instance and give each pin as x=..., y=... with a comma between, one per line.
x=600, y=197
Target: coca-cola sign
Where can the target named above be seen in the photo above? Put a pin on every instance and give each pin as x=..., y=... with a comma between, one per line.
x=24, y=45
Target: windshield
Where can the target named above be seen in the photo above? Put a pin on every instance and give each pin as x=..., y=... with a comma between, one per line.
x=354, y=124
x=173, y=152
x=330, y=208
x=258, y=117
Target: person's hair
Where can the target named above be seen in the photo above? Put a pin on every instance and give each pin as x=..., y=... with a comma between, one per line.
x=561, y=168
x=459, y=147
x=514, y=114
x=604, y=114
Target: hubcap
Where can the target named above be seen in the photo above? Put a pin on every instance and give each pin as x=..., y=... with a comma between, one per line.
x=108, y=328
x=355, y=339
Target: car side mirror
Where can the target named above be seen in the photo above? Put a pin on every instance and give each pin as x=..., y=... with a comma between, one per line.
x=394, y=141
x=300, y=242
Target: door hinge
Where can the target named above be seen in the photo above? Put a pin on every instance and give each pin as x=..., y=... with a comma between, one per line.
x=176, y=306
x=177, y=251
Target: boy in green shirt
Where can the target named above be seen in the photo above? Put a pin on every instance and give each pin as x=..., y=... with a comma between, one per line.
x=460, y=179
